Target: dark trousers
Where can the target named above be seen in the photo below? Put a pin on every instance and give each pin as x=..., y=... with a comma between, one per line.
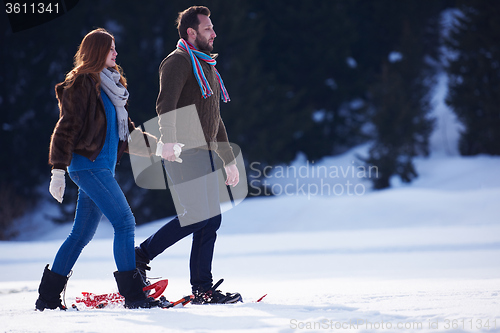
x=195, y=190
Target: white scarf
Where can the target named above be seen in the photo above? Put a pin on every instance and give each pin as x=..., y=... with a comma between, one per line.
x=118, y=94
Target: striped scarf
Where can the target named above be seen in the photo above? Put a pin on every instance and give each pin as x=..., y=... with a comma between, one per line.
x=206, y=91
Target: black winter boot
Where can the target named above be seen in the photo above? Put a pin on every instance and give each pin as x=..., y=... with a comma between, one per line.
x=213, y=296
x=130, y=286
x=50, y=289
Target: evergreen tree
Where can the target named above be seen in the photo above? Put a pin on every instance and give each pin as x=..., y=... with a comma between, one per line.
x=308, y=107
x=33, y=61
x=474, y=84
x=407, y=33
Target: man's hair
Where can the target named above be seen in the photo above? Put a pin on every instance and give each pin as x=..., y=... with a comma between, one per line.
x=189, y=19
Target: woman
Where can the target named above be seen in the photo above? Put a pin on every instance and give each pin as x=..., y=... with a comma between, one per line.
x=92, y=133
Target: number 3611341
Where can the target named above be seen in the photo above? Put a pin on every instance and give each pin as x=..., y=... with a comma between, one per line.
x=31, y=8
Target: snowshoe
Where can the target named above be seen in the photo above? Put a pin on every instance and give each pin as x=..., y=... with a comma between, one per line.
x=213, y=296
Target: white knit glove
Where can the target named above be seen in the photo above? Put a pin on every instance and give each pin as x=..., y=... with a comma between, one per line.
x=177, y=150
x=57, y=184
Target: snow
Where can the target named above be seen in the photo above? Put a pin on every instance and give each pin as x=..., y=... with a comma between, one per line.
x=419, y=257
x=351, y=62
x=395, y=56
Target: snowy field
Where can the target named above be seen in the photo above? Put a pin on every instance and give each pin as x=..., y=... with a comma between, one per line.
x=423, y=257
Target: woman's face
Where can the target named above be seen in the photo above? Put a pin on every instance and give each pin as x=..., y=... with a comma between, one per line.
x=111, y=58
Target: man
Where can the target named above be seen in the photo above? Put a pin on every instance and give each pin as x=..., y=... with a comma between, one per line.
x=190, y=84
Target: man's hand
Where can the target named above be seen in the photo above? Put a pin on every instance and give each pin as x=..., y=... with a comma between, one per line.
x=168, y=152
x=233, y=175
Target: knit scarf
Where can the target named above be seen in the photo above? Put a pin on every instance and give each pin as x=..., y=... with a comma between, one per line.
x=194, y=54
x=118, y=94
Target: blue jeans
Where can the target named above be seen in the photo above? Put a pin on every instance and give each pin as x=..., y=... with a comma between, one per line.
x=197, y=164
x=98, y=194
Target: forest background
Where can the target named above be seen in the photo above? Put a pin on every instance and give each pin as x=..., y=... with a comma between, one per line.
x=314, y=77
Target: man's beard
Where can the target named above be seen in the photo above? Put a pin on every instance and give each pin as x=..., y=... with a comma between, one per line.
x=203, y=44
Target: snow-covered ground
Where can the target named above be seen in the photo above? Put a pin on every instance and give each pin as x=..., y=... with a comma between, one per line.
x=422, y=257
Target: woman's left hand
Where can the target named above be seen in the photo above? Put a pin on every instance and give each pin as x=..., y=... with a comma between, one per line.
x=57, y=184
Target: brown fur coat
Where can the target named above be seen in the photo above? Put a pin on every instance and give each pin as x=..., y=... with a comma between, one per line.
x=82, y=124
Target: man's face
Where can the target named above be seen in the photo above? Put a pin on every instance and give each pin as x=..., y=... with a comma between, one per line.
x=205, y=34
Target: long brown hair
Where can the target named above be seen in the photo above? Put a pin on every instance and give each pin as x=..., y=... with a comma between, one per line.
x=91, y=58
